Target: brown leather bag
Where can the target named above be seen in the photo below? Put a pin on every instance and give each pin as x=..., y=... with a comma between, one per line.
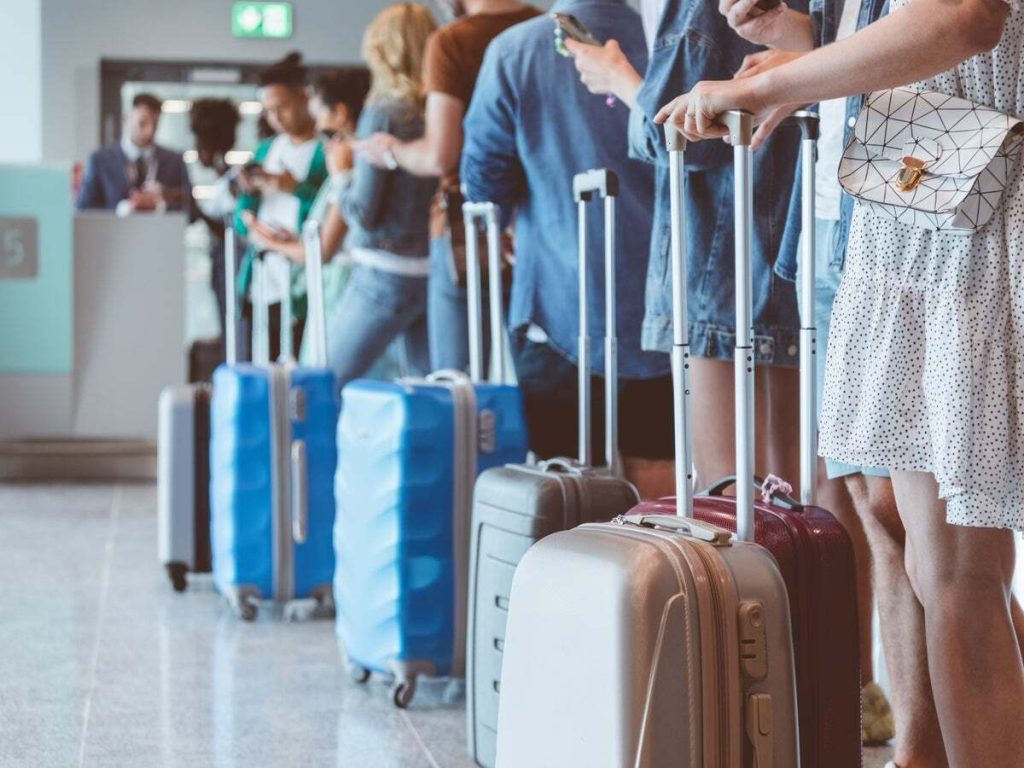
x=446, y=221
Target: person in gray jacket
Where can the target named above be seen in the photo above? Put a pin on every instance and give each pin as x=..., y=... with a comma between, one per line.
x=386, y=211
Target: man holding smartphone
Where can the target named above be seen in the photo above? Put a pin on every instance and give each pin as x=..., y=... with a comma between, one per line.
x=279, y=188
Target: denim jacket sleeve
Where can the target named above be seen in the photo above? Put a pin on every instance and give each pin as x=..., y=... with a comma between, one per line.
x=491, y=170
x=362, y=201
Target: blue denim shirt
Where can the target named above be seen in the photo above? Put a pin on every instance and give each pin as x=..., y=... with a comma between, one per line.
x=388, y=210
x=825, y=16
x=531, y=126
x=694, y=43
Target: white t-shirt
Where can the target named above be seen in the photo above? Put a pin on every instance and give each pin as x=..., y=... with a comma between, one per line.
x=829, y=194
x=650, y=16
x=281, y=209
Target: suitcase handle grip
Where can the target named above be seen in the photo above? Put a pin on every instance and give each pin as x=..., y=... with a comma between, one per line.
x=781, y=500
x=300, y=491
x=564, y=466
x=693, y=528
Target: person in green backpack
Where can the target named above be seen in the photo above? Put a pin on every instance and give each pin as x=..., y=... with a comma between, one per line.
x=278, y=187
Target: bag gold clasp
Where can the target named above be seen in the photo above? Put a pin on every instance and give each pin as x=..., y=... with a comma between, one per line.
x=910, y=174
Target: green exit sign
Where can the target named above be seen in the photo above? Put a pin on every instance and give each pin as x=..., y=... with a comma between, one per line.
x=261, y=20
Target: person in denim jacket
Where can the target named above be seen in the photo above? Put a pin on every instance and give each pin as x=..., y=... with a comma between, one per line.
x=386, y=211
x=694, y=42
x=530, y=128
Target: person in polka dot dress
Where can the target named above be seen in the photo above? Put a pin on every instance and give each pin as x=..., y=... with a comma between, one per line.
x=924, y=356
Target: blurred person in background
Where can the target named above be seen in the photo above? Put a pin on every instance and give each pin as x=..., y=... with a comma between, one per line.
x=531, y=126
x=279, y=186
x=453, y=59
x=214, y=123
x=386, y=211
x=135, y=175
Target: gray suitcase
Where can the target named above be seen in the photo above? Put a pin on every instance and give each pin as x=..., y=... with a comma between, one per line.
x=517, y=505
x=656, y=640
x=183, y=482
x=183, y=462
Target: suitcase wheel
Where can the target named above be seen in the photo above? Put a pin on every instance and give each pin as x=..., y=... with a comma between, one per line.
x=358, y=674
x=403, y=692
x=247, y=609
x=176, y=572
x=325, y=604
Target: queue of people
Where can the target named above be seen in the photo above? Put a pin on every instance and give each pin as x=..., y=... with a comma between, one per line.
x=921, y=392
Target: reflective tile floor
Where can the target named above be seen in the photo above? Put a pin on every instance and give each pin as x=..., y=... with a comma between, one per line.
x=101, y=664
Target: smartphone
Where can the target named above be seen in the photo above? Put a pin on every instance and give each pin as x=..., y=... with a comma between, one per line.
x=253, y=168
x=568, y=26
x=767, y=5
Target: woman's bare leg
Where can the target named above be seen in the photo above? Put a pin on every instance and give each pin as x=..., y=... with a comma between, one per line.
x=963, y=576
x=918, y=739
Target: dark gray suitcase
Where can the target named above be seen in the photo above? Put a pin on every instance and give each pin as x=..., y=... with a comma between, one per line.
x=517, y=505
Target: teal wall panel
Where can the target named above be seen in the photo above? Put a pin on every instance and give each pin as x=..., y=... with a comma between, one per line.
x=36, y=300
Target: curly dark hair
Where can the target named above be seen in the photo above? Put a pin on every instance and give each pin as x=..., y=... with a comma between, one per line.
x=347, y=86
x=214, y=122
x=289, y=71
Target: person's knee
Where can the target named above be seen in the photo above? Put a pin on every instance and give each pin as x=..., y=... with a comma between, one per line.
x=875, y=503
x=958, y=576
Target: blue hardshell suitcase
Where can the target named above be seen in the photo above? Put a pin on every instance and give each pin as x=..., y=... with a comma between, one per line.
x=409, y=453
x=272, y=461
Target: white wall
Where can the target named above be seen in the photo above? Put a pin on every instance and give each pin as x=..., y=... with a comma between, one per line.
x=21, y=113
x=76, y=34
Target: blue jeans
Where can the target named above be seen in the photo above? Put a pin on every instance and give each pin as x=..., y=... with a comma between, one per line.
x=828, y=275
x=375, y=308
x=447, y=314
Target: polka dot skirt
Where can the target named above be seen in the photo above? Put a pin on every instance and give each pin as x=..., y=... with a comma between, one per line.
x=925, y=367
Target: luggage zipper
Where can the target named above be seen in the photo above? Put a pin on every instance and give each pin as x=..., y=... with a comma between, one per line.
x=721, y=645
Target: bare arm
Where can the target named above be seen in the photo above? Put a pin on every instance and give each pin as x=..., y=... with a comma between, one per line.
x=436, y=153
x=920, y=40
x=332, y=232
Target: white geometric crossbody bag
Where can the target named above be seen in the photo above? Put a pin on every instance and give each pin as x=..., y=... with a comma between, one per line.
x=936, y=161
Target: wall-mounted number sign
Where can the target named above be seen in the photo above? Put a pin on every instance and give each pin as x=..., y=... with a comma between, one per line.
x=19, y=248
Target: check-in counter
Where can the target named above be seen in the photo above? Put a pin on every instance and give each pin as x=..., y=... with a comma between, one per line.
x=91, y=314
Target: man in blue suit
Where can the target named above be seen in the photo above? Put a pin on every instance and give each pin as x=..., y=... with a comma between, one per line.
x=135, y=174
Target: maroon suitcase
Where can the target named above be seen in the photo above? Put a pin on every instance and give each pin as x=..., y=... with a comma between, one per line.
x=813, y=550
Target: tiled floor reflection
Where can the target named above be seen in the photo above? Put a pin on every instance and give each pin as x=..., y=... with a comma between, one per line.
x=101, y=664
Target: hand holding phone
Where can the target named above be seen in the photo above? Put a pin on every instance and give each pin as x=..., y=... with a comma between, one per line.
x=568, y=27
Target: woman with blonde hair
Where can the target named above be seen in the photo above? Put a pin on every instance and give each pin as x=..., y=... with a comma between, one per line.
x=386, y=210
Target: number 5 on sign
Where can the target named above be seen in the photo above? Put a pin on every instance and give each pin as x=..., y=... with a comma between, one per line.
x=19, y=252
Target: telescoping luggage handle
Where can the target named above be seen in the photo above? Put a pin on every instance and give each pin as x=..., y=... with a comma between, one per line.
x=604, y=183
x=317, y=323
x=491, y=215
x=807, y=122
x=740, y=126
x=230, y=295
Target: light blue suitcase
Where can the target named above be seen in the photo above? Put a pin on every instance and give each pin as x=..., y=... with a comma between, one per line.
x=409, y=453
x=272, y=462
